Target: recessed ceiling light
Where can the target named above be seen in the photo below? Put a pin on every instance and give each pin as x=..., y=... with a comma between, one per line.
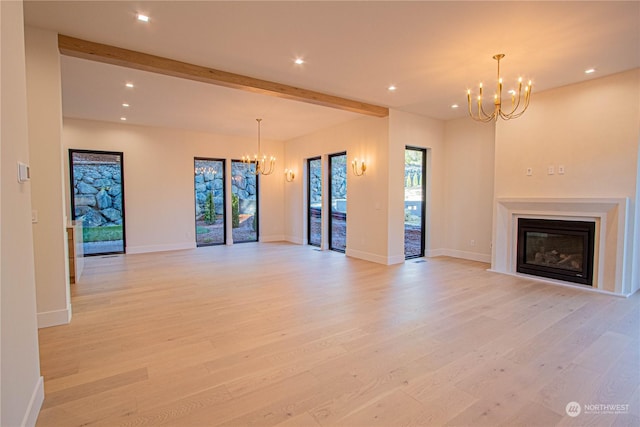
x=129, y=85
x=142, y=18
x=125, y=105
x=454, y=106
x=512, y=92
x=124, y=119
x=299, y=61
x=392, y=88
x=590, y=70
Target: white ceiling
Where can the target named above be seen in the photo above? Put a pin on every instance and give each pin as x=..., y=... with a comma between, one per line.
x=432, y=51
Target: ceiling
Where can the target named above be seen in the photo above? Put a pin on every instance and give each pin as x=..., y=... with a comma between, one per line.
x=431, y=51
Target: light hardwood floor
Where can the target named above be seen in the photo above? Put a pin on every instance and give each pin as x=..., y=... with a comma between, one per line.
x=279, y=334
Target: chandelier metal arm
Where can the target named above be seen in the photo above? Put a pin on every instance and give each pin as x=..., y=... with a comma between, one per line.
x=483, y=116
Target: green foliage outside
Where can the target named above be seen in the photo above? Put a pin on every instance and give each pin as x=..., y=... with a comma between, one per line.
x=102, y=234
x=201, y=230
x=235, y=211
x=209, y=209
x=255, y=223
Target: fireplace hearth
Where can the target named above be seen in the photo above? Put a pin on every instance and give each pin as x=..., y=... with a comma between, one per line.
x=556, y=249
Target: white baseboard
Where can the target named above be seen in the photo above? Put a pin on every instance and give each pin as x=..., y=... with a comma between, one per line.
x=35, y=403
x=54, y=318
x=471, y=256
x=430, y=253
x=160, y=248
x=274, y=238
x=547, y=281
x=367, y=256
x=395, y=259
x=296, y=240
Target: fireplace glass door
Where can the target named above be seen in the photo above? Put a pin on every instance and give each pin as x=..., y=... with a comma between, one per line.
x=556, y=249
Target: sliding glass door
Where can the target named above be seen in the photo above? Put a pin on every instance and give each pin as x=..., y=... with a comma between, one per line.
x=97, y=199
x=209, y=187
x=244, y=202
x=314, y=201
x=338, y=201
x=414, y=201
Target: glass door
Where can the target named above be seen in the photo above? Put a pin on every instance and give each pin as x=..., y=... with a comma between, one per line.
x=338, y=201
x=97, y=200
x=209, y=185
x=414, y=201
x=244, y=202
x=314, y=201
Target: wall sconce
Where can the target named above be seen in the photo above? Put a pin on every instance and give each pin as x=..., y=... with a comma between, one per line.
x=289, y=175
x=358, y=168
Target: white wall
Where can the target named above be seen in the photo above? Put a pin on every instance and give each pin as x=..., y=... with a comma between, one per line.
x=158, y=179
x=590, y=128
x=469, y=165
x=365, y=138
x=417, y=131
x=21, y=383
x=47, y=177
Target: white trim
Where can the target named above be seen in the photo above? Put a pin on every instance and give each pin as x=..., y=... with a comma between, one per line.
x=585, y=288
x=395, y=259
x=35, y=403
x=435, y=252
x=471, y=256
x=54, y=318
x=296, y=240
x=367, y=256
x=612, y=246
x=275, y=238
x=160, y=248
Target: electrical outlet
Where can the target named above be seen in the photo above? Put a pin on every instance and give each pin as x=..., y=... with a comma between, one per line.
x=529, y=171
x=560, y=169
x=472, y=242
x=550, y=170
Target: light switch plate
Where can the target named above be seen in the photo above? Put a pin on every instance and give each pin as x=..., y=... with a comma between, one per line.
x=24, y=174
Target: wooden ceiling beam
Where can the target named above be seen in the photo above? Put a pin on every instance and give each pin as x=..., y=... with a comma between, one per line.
x=79, y=48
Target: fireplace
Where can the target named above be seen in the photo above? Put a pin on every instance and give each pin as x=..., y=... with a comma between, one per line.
x=556, y=249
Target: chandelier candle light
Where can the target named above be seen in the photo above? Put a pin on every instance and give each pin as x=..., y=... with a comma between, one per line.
x=516, y=100
x=263, y=167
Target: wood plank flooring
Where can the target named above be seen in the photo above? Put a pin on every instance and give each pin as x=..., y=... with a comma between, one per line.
x=279, y=334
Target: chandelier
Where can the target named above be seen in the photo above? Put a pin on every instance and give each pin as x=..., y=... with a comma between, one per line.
x=262, y=165
x=519, y=101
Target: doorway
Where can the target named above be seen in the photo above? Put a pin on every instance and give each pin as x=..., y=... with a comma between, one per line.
x=244, y=202
x=209, y=188
x=338, y=201
x=314, y=201
x=415, y=189
x=97, y=200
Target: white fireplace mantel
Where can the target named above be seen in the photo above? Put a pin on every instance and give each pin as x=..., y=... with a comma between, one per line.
x=612, y=272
